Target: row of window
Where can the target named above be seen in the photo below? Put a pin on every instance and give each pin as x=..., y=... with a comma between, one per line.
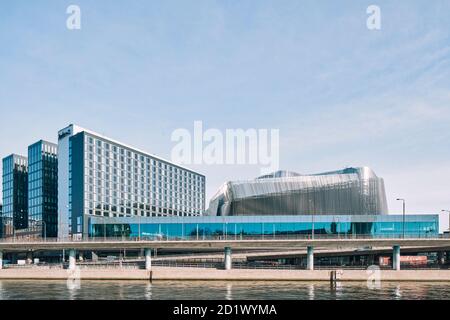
x=105, y=180
x=131, y=158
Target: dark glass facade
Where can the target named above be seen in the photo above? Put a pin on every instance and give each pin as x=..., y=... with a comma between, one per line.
x=266, y=226
x=43, y=188
x=15, y=194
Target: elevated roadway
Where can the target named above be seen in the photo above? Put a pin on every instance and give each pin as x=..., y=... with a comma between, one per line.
x=12, y=246
x=227, y=245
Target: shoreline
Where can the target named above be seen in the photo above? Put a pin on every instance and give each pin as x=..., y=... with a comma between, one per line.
x=200, y=274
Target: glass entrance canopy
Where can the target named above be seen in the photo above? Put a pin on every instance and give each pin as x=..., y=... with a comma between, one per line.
x=241, y=227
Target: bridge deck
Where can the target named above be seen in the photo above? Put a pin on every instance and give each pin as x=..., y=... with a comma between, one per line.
x=220, y=244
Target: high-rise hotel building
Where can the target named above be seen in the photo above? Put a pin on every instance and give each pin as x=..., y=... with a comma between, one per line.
x=43, y=188
x=15, y=194
x=100, y=177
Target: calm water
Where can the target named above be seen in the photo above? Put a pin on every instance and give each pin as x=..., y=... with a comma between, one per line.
x=199, y=290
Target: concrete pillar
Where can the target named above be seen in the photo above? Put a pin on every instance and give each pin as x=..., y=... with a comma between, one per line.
x=29, y=259
x=396, y=258
x=148, y=259
x=72, y=259
x=81, y=256
x=227, y=260
x=94, y=256
x=1, y=259
x=310, y=258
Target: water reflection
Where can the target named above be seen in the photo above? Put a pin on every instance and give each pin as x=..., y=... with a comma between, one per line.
x=148, y=291
x=229, y=295
x=229, y=290
x=311, y=291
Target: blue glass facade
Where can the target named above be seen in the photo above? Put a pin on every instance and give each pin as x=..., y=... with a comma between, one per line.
x=43, y=188
x=267, y=226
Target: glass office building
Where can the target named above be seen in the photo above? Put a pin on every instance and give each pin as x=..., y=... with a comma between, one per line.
x=240, y=227
x=43, y=188
x=15, y=194
x=100, y=177
x=351, y=191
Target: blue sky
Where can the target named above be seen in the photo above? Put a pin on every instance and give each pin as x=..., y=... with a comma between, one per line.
x=340, y=94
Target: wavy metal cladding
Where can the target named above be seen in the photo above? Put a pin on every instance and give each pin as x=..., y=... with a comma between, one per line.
x=351, y=191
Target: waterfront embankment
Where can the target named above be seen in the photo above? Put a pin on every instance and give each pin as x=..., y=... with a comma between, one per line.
x=171, y=273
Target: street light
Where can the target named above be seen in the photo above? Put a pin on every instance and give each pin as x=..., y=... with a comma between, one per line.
x=448, y=211
x=403, y=200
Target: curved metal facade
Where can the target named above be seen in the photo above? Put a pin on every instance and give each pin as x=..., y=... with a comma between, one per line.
x=351, y=191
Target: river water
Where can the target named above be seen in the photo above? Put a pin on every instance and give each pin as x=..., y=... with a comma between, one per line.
x=220, y=290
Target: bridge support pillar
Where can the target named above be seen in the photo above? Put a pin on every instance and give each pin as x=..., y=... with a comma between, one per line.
x=148, y=259
x=94, y=256
x=29, y=259
x=310, y=258
x=1, y=259
x=227, y=259
x=72, y=259
x=396, y=258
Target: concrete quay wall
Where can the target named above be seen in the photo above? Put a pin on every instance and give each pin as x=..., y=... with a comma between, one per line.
x=169, y=273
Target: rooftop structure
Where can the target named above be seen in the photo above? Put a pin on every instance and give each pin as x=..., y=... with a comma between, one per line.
x=351, y=191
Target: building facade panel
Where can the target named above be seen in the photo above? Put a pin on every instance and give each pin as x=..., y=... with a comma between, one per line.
x=237, y=227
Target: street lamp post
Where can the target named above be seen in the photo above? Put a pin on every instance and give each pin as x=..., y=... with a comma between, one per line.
x=403, y=200
x=448, y=211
